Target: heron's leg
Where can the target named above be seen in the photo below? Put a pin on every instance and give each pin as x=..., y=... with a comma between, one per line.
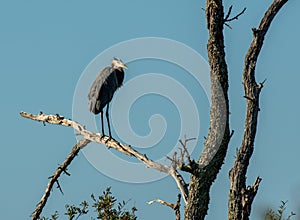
x=107, y=117
x=101, y=114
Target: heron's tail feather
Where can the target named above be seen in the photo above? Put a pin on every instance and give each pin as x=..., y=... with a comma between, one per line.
x=94, y=106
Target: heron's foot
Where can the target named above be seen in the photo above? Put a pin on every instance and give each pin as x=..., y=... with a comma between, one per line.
x=108, y=139
x=101, y=135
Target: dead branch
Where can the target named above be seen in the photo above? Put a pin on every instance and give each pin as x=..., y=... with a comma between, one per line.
x=54, y=179
x=59, y=187
x=191, y=166
x=175, y=207
x=239, y=201
x=112, y=143
x=236, y=17
x=227, y=19
x=186, y=152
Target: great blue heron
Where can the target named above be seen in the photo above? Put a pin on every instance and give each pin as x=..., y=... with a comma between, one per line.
x=103, y=88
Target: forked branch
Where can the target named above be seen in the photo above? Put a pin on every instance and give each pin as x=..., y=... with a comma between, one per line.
x=236, y=17
x=248, y=195
x=191, y=166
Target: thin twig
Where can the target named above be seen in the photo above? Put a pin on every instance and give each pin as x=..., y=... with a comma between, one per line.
x=228, y=13
x=235, y=17
x=190, y=167
x=59, y=187
x=185, y=150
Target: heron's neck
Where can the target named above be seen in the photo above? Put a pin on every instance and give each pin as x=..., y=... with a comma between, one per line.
x=118, y=68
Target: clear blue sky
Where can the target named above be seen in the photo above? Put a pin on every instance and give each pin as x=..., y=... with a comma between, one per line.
x=45, y=47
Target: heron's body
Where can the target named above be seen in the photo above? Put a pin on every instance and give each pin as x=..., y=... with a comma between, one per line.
x=103, y=88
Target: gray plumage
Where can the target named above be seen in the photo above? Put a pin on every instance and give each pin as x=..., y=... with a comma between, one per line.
x=103, y=88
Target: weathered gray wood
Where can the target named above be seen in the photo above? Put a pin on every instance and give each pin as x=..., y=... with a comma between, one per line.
x=174, y=206
x=111, y=143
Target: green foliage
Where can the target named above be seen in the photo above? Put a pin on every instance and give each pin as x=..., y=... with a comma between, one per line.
x=104, y=207
x=72, y=210
x=278, y=215
x=53, y=217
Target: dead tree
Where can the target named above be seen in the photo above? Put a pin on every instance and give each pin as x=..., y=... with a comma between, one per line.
x=240, y=197
x=204, y=170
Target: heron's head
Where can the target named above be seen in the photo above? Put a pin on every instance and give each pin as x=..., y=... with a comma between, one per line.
x=117, y=63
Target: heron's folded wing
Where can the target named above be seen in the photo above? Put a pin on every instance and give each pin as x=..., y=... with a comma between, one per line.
x=102, y=89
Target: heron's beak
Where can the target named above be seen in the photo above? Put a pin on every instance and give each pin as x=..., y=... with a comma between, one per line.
x=124, y=66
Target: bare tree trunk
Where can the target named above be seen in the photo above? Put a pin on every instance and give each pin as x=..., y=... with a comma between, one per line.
x=211, y=159
x=240, y=196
